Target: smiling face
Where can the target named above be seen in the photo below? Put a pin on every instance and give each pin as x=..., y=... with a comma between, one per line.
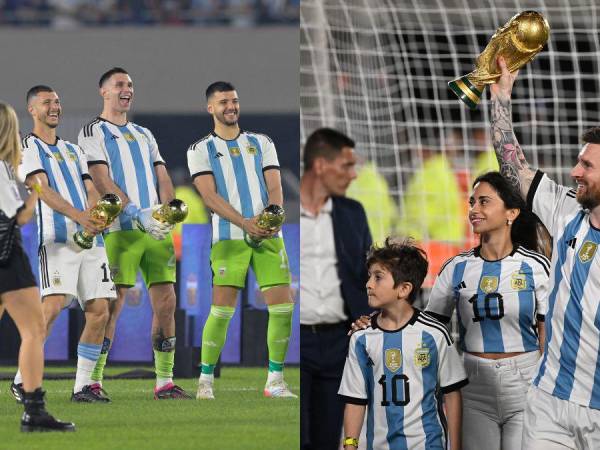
x=586, y=174
x=224, y=107
x=45, y=109
x=117, y=93
x=487, y=211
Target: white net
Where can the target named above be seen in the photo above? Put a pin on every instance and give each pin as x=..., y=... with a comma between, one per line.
x=378, y=71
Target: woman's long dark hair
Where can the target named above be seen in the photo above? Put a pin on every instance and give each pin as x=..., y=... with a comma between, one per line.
x=524, y=228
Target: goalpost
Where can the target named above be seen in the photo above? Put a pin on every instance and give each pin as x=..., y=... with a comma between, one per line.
x=378, y=71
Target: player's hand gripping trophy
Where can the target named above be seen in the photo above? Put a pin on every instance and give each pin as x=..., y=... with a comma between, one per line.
x=171, y=213
x=270, y=219
x=107, y=209
x=518, y=42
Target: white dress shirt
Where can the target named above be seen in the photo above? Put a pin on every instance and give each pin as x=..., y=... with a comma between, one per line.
x=320, y=286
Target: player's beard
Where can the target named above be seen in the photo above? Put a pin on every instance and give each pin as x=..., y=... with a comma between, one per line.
x=590, y=199
x=221, y=118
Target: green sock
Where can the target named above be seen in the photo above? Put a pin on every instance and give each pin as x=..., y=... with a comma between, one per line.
x=163, y=363
x=214, y=334
x=278, y=334
x=98, y=372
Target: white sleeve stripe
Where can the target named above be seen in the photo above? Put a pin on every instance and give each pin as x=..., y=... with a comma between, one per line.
x=467, y=253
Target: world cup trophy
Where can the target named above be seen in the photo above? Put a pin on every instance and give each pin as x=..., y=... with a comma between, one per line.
x=173, y=212
x=270, y=219
x=107, y=209
x=523, y=37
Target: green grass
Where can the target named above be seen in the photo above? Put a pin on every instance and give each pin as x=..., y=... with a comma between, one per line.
x=239, y=418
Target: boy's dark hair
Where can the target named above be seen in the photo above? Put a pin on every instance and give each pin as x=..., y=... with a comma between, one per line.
x=326, y=143
x=523, y=231
x=405, y=261
x=219, y=86
x=591, y=136
x=35, y=90
x=109, y=73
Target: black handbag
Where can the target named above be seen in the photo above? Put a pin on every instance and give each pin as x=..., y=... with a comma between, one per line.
x=8, y=236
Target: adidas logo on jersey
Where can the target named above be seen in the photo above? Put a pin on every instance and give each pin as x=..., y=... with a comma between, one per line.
x=571, y=242
x=113, y=137
x=218, y=155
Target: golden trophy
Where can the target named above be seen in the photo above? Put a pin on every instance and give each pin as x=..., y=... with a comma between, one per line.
x=107, y=209
x=173, y=212
x=523, y=37
x=270, y=219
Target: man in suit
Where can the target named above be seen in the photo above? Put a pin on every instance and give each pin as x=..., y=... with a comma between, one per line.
x=335, y=239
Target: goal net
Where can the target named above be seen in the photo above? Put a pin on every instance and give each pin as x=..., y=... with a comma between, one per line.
x=378, y=71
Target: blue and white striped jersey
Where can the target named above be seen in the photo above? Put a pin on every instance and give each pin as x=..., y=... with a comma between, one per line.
x=397, y=374
x=65, y=166
x=570, y=366
x=498, y=303
x=131, y=153
x=237, y=166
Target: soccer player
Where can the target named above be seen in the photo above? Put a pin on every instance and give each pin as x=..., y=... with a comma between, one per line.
x=500, y=290
x=563, y=405
x=19, y=294
x=123, y=158
x=65, y=269
x=237, y=174
x=396, y=366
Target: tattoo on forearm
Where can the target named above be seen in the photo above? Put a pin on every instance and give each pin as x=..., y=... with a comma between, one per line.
x=508, y=151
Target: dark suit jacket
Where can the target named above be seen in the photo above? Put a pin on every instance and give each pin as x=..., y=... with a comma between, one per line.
x=352, y=241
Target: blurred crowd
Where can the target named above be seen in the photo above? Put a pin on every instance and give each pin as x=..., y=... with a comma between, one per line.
x=75, y=13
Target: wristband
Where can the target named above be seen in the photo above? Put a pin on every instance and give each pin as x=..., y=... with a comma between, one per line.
x=350, y=441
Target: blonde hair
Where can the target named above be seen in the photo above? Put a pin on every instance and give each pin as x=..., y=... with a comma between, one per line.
x=10, y=143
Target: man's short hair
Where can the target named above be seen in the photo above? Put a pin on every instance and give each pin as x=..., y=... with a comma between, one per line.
x=326, y=143
x=109, y=73
x=219, y=86
x=591, y=136
x=404, y=260
x=35, y=90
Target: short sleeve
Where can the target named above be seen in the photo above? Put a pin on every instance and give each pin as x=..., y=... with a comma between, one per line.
x=198, y=160
x=82, y=161
x=269, y=155
x=10, y=200
x=153, y=146
x=542, y=282
x=353, y=386
x=451, y=372
x=550, y=201
x=441, y=299
x=91, y=143
x=31, y=162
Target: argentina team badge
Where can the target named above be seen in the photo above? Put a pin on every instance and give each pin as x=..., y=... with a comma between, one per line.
x=422, y=357
x=587, y=251
x=518, y=281
x=251, y=150
x=393, y=359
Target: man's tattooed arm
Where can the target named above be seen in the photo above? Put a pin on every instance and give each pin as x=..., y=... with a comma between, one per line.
x=511, y=159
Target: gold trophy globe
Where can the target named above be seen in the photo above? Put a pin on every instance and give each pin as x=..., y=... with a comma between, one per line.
x=523, y=37
x=173, y=212
x=107, y=209
x=270, y=219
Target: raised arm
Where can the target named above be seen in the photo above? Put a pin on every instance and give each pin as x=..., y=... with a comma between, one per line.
x=508, y=151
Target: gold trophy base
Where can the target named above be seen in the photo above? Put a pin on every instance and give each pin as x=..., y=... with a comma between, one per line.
x=84, y=240
x=467, y=92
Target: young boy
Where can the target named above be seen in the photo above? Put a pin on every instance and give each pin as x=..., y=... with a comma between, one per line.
x=397, y=366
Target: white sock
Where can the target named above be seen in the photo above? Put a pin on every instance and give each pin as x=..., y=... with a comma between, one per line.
x=83, y=377
x=206, y=378
x=274, y=376
x=162, y=382
x=18, y=377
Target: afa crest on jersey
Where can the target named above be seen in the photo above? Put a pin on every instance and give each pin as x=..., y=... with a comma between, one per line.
x=518, y=281
x=587, y=251
x=251, y=150
x=422, y=357
x=393, y=359
x=488, y=284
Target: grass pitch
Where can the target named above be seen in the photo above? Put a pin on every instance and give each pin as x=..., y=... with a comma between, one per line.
x=239, y=418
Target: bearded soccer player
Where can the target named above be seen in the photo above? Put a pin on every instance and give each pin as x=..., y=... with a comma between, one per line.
x=66, y=271
x=563, y=404
x=237, y=174
x=123, y=158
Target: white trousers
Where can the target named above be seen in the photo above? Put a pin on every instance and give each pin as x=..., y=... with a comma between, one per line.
x=494, y=400
x=552, y=423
